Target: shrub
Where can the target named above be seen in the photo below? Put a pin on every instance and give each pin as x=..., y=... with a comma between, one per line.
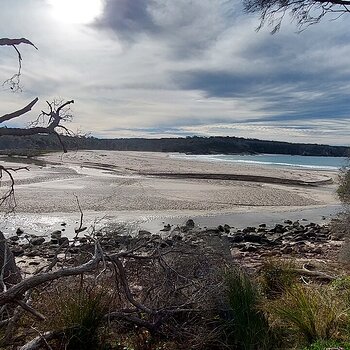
x=343, y=190
x=248, y=327
x=312, y=313
x=276, y=277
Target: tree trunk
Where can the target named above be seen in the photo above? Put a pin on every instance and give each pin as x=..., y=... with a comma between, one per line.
x=9, y=272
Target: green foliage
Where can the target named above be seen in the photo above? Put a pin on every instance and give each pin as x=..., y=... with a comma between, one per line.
x=313, y=313
x=326, y=344
x=248, y=328
x=276, y=277
x=342, y=285
x=343, y=190
x=80, y=315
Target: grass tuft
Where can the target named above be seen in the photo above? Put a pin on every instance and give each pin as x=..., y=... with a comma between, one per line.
x=80, y=316
x=312, y=313
x=276, y=277
x=248, y=327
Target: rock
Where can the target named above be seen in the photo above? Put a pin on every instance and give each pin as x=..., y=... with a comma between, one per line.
x=190, y=223
x=227, y=228
x=221, y=228
x=278, y=228
x=56, y=234
x=33, y=253
x=34, y=263
x=324, y=230
x=14, y=238
x=249, y=248
x=249, y=229
x=19, y=231
x=287, y=250
x=318, y=250
x=211, y=232
x=253, y=238
x=17, y=251
x=262, y=225
x=63, y=224
x=37, y=241
x=177, y=238
x=296, y=223
x=288, y=222
x=311, y=233
x=237, y=238
x=144, y=233
x=337, y=236
x=63, y=241
x=166, y=228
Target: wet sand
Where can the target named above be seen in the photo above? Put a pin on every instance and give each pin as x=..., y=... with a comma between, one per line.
x=144, y=188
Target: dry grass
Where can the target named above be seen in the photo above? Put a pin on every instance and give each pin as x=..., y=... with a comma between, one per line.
x=311, y=312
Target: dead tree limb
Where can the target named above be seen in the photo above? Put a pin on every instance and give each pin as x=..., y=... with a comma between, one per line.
x=14, y=81
x=16, y=292
x=41, y=340
x=20, y=112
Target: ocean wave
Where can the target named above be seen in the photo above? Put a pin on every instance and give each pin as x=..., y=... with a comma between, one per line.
x=227, y=159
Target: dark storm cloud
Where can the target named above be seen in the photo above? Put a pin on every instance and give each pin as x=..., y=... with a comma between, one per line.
x=289, y=103
x=127, y=18
x=182, y=28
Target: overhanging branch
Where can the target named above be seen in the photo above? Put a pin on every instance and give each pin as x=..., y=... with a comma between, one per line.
x=20, y=112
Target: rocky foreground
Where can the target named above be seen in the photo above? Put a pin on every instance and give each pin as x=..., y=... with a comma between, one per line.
x=249, y=247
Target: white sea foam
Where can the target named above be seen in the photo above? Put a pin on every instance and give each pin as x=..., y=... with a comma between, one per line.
x=291, y=161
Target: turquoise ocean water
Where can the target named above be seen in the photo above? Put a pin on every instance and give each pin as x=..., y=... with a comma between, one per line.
x=274, y=160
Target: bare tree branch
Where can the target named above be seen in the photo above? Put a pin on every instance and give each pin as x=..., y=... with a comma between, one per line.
x=303, y=12
x=14, y=81
x=12, y=42
x=20, y=112
x=15, y=292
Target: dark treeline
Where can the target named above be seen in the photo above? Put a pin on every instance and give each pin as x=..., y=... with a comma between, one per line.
x=190, y=145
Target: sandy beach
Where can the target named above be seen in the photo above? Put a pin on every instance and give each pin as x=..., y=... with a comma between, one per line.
x=154, y=187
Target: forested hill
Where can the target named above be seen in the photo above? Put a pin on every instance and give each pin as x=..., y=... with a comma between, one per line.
x=190, y=145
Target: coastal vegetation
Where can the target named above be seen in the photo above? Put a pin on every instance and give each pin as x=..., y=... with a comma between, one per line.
x=190, y=145
x=180, y=291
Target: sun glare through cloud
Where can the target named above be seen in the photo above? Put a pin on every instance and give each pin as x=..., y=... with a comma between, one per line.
x=76, y=11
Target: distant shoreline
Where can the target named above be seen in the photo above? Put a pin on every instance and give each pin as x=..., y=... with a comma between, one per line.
x=194, y=145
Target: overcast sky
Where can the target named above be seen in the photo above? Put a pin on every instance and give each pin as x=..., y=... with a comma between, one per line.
x=159, y=68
